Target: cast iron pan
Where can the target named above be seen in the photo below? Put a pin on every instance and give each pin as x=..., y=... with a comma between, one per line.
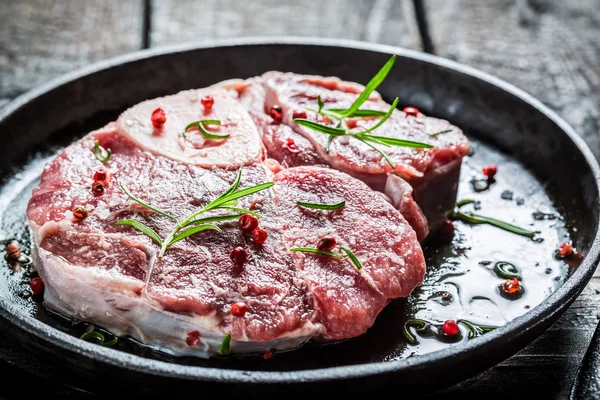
x=489, y=108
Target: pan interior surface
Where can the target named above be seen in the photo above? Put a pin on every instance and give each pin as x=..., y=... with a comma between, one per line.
x=537, y=157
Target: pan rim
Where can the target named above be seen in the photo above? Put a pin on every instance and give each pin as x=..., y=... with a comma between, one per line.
x=555, y=303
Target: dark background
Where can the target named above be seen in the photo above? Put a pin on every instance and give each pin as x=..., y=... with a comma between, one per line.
x=549, y=48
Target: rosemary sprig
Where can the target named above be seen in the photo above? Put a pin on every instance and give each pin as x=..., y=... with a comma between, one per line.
x=329, y=140
x=384, y=118
x=370, y=88
x=191, y=224
x=315, y=126
x=225, y=348
x=97, y=337
x=132, y=197
x=317, y=251
x=358, y=113
x=233, y=195
x=200, y=125
x=423, y=329
x=320, y=206
x=191, y=231
x=220, y=218
x=363, y=136
x=440, y=132
x=352, y=257
x=420, y=326
x=346, y=250
x=472, y=218
x=475, y=329
x=142, y=228
x=506, y=270
x=354, y=111
x=388, y=141
x=320, y=104
x=98, y=150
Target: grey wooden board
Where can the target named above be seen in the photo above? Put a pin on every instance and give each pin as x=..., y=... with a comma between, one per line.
x=42, y=39
x=384, y=21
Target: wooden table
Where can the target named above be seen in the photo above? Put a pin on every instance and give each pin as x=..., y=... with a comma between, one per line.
x=549, y=48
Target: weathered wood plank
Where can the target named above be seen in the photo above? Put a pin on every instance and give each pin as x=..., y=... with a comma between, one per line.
x=549, y=48
x=584, y=311
x=41, y=39
x=383, y=21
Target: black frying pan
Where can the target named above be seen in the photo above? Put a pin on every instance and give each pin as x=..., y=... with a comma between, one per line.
x=495, y=111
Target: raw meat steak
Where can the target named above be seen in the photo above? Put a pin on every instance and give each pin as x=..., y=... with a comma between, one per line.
x=346, y=299
x=112, y=276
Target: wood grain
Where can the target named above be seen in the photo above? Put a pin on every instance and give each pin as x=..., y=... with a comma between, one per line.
x=41, y=39
x=549, y=48
x=384, y=21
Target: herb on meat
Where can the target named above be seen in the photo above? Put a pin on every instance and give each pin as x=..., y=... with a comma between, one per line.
x=320, y=104
x=440, y=132
x=360, y=113
x=200, y=125
x=370, y=88
x=102, y=154
x=315, y=126
x=192, y=224
x=320, y=206
x=341, y=128
x=317, y=251
x=225, y=349
x=346, y=250
x=352, y=257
